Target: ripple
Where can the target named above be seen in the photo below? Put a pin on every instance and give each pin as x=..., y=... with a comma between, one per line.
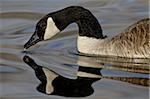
x=21, y=15
x=8, y=69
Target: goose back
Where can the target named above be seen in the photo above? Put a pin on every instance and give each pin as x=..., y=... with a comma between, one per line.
x=134, y=41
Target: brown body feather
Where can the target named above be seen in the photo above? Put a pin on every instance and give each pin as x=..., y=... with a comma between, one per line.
x=134, y=41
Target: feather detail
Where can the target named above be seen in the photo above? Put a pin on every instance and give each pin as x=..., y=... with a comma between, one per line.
x=133, y=42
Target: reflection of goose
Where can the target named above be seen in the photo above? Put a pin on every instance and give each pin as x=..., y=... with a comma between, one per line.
x=116, y=63
x=134, y=42
x=54, y=84
x=98, y=63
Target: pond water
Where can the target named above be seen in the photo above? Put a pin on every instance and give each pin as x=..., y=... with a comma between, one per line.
x=106, y=78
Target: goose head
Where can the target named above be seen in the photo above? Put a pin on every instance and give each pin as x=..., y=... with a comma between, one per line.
x=54, y=22
x=45, y=29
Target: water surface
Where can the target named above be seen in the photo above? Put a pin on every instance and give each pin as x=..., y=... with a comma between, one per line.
x=118, y=78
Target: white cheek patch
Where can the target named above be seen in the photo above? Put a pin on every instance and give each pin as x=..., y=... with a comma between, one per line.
x=51, y=29
x=50, y=77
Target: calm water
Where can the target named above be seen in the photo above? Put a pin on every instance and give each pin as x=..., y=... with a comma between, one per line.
x=116, y=78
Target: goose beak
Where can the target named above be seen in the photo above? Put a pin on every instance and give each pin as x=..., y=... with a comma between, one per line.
x=28, y=60
x=32, y=41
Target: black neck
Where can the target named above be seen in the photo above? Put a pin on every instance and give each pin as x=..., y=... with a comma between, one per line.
x=87, y=23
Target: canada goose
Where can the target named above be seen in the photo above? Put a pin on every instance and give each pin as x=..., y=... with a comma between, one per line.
x=133, y=42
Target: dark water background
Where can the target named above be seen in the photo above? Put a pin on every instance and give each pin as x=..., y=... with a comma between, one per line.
x=17, y=22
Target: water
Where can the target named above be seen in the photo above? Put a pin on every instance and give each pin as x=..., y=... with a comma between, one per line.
x=114, y=78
